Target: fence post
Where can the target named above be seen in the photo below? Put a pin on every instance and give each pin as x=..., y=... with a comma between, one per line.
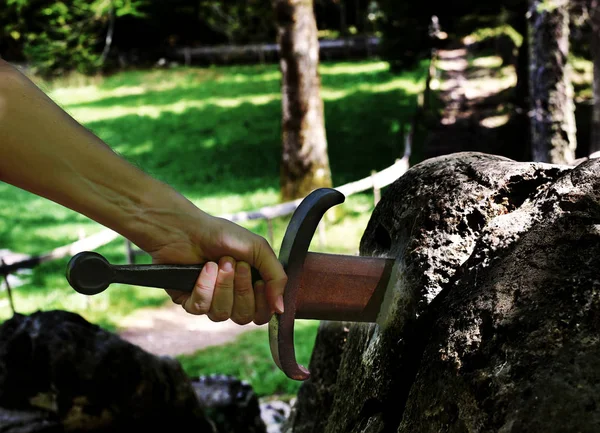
x=8, y=289
x=130, y=252
x=376, y=190
x=270, y=231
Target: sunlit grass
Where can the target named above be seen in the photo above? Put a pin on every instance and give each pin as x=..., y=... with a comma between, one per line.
x=249, y=358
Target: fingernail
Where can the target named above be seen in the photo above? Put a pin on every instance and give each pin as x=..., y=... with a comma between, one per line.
x=211, y=268
x=279, y=304
x=227, y=266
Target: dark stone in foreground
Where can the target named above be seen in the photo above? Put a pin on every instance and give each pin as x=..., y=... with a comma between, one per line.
x=493, y=319
x=60, y=373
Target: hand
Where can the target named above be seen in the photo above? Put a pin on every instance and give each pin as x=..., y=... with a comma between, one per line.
x=224, y=288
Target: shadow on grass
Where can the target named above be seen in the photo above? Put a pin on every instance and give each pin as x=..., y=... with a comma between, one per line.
x=235, y=150
x=248, y=83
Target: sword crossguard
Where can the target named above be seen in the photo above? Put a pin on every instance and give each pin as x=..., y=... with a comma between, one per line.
x=294, y=247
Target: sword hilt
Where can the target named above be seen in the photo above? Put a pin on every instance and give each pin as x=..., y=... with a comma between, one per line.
x=90, y=273
x=294, y=247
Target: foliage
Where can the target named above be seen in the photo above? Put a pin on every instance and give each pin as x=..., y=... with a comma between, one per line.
x=58, y=36
x=241, y=21
x=249, y=358
x=62, y=35
x=484, y=33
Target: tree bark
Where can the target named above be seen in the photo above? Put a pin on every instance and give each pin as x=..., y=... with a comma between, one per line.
x=304, y=162
x=491, y=319
x=553, y=130
x=595, y=54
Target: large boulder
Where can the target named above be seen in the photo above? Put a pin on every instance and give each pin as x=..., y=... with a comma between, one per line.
x=493, y=318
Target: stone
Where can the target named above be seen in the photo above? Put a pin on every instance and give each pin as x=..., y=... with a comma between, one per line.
x=492, y=321
x=84, y=378
x=230, y=403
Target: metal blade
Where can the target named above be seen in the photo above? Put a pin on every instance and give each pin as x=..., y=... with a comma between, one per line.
x=341, y=287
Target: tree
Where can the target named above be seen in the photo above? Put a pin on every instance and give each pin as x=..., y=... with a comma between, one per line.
x=304, y=162
x=553, y=127
x=240, y=21
x=594, y=11
x=58, y=36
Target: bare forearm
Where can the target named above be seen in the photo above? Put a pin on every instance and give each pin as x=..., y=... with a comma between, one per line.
x=45, y=151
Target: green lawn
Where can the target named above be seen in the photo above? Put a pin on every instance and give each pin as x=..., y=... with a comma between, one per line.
x=249, y=358
x=214, y=135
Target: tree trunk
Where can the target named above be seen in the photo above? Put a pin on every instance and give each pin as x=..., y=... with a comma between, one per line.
x=522, y=66
x=491, y=318
x=553, y=130
x=595, y=48
x=304, y=162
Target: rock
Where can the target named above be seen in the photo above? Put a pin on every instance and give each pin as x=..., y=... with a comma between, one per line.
x=230, y=403
x=87, y=379
x=275, y=414
x=17, y=421
x=317, y=393
x=493, y=317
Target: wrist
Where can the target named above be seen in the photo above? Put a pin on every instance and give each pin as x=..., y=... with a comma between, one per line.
x=160, y=216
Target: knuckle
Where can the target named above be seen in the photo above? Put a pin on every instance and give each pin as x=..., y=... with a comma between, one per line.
x=224, y=286
x=219, y=315
x=241, y=319
x=200, y=307
x=194, y=308
x=243, y=290
x=261, y=246
x=204, y=289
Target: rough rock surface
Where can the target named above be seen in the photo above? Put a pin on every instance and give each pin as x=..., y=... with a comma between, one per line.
x=60, y=373
x=316, y=396
x=493, y=316
x=230, y=403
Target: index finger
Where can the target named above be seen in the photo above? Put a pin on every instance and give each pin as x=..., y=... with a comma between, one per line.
x=273, y=274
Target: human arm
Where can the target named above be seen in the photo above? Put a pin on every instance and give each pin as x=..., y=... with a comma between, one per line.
x=45, y=151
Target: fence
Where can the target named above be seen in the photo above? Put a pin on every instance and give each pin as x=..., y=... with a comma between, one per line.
x=363, y=46
x=376, y=181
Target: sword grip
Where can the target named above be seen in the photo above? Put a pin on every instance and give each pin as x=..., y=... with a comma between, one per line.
x=90, y=273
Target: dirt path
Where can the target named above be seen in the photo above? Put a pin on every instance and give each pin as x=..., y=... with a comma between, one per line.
x=476, y=93
x=169, y=330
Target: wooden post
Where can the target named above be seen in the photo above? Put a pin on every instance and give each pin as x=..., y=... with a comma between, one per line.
x=8, y=289
x=376, y=190
x=130, y=252
x=270, y=231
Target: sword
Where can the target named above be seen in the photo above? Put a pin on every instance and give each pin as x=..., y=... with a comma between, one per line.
x=320, y=286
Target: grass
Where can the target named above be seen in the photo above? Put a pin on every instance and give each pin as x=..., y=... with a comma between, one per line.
x=214, y=135
x=245, y=359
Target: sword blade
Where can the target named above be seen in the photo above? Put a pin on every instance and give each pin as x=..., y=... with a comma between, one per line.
x=342, y=288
